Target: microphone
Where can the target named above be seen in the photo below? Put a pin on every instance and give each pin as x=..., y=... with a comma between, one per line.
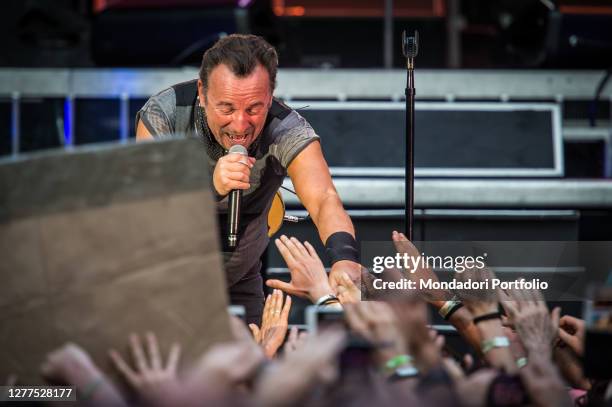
x=410, y=45
x=235, y=200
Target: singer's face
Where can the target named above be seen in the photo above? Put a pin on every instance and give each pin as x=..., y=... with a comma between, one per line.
x=236, y=108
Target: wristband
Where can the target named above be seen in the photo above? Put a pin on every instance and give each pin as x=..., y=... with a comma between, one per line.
x=326, y=300
x=521, y=362
x=495, y=342
x=405, y=372
x=449, y=308
x=341, y=246
x=398, y=361
x=486, y=317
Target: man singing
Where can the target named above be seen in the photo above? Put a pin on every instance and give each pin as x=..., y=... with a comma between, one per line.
x=231, y=103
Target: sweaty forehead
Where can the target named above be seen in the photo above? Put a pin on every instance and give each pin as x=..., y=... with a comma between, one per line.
x=225, y=86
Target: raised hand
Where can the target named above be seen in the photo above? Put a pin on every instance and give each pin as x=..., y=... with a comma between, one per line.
x=154, y=382
x=71, y=365
x=274, y=323
x=308, y=276
x=529, y=314
x=348, y=293
x=571, y=332
x=290, y=380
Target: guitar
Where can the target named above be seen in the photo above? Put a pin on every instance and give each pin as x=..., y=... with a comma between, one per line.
x=277, y=215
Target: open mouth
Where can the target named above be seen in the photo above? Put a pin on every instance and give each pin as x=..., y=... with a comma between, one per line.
x=238, y=139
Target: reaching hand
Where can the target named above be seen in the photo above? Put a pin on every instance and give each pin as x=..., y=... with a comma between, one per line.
x=403, y=246
x=478, y=301
x=542, y=381
x=228, y=364
x=377, y=323
x=71, y=365
x=572, y=332
x=153, y=382
x=274, y=323
x=289, y=380
x=411, y=315
x=536, y=327
x=308, y=276
x=348, y=293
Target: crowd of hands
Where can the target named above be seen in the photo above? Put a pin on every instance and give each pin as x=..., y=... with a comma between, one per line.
x=408, y=361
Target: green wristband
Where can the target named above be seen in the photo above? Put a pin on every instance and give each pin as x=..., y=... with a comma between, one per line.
x=521, y=362
x=398, y=361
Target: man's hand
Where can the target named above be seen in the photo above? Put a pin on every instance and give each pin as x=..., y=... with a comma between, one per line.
x=71, y=365
x=341, y=268
x=529, y=314
x=543, y=383
x=377, y=323
x=154, y=383
x=274, y=323
x=308, y=276
x=348, y=293
x=287, y=382
x=572, y=333
x=232, y=172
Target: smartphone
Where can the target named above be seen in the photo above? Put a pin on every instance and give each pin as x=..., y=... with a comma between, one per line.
x=598, y=319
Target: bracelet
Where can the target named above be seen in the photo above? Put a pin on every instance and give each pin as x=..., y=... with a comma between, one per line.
x=495, y=342
x=521, y=362
x=487, y=317
x=449, y=308
x=342, y=246
x=91, y=387
x=404, y=373
x=398, y=361
x=326, y=300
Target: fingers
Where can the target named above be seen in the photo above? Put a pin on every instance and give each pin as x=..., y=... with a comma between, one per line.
x=311, y=250
x=173, y=358
x=401, y=243
x=566, y=338
x=292, y=246
x=239, y=158
x=355, y=319
x=293, y=334
x=286, y=309
x=554, y=316
x=284, y=251
x=285, y=287
x=153, y=349
x=275, y=307
x=138, y=353
x=568, y=321
x=255, y=331
x=300, y=247
x=123, y=368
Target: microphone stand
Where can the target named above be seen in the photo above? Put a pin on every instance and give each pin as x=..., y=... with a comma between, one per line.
x=410, y=48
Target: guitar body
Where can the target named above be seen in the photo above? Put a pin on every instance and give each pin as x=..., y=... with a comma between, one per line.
x=276, y=214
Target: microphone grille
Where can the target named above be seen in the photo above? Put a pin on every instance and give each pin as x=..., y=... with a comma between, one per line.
x=411, y=45
x=237, y=148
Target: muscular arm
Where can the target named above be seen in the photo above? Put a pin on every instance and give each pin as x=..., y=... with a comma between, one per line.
x=313, y=185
